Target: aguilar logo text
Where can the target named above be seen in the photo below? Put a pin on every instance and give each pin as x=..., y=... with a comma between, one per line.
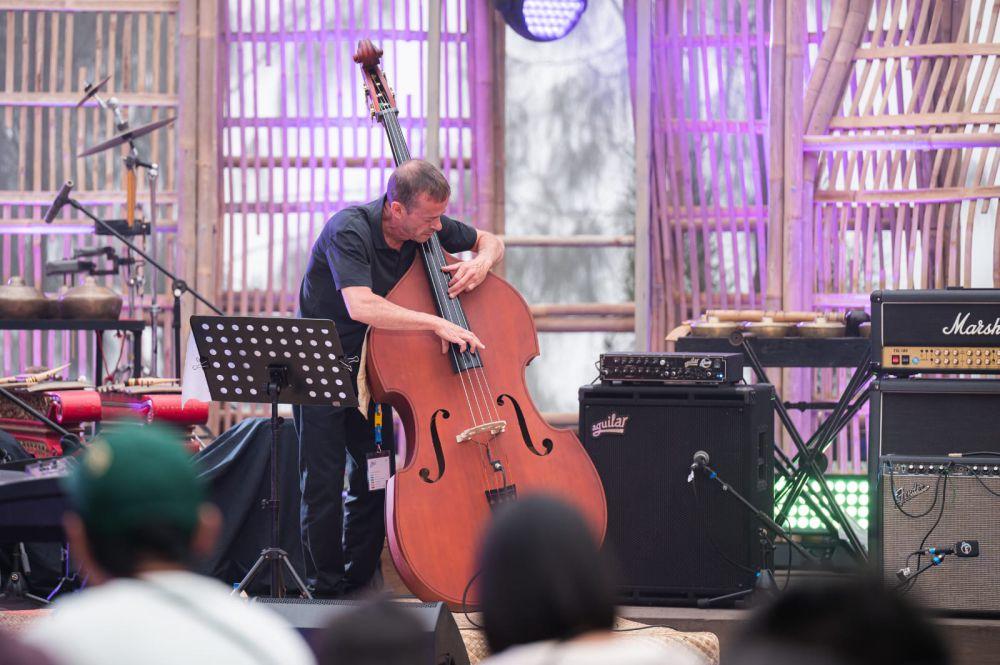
x=613, y=424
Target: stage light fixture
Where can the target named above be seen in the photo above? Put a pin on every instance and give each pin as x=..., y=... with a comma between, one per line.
x=541, y=20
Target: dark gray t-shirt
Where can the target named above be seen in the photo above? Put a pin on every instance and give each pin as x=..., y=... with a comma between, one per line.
x=351, y=251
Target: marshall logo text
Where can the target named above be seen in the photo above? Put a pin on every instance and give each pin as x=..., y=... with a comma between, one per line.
x=613, y=424
x=961, y=326
x=904, y=495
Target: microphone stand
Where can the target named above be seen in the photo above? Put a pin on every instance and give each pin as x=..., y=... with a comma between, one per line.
x=178, y=288
x=764, y=577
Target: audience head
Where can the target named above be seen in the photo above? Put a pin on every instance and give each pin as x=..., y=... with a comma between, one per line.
x=136, y=502
x=376, y=633
x=542, y=575
x=855, y=622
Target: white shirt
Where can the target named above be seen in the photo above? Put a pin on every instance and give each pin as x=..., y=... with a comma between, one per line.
x=617, y=649
x=165, y=617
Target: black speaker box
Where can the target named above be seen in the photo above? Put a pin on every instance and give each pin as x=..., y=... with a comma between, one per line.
x=442, y=645
x=671, y=545
x=934, y=417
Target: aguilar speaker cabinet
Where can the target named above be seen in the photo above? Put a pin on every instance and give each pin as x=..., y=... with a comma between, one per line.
x=671, y=545
x=442, y=644
x=940, y=502
x=929, y=417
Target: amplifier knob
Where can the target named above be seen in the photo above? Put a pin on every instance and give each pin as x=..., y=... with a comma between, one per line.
x=977, y=352
x=978, y=361
x=663, y=361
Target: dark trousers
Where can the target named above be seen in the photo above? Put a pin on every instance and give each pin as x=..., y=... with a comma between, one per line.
x=341, y=539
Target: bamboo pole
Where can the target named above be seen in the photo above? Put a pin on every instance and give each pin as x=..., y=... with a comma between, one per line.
x=644, y=59
x=185, y=252
x=201, y=231
x=796, y=240
x=776, y=150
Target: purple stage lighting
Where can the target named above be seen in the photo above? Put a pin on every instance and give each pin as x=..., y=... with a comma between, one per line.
x=542, y=20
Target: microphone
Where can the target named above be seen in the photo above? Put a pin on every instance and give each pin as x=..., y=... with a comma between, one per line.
x=61, y=199
x=68, y=267
x=700, y=459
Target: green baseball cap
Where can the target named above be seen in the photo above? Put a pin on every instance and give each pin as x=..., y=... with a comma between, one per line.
x=133, y=475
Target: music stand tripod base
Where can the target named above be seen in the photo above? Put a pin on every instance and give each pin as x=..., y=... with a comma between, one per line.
x=273, y=361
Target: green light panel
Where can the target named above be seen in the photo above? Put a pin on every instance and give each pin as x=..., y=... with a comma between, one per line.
x=851, y=493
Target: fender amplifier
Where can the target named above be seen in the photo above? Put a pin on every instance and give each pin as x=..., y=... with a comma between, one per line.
x=934, y=417
x=936, y=502
x=936, y=331
x=671, y=545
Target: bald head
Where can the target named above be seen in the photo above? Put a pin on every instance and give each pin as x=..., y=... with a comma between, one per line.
x=415, y=177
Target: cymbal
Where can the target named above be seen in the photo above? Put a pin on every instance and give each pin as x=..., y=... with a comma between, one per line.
x=93, y=90
x=126, y=136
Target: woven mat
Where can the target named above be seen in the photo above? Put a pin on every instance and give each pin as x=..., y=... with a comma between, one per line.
x=17, y=620
x=705, y=645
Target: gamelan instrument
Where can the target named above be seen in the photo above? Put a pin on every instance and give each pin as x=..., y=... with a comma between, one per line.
x=474, y=438
x=67, y=403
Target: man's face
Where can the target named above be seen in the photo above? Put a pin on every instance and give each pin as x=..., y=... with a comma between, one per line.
x=420, y=220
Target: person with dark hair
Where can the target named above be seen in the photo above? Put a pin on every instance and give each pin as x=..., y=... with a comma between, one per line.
x=854, y=622
x=361, y=253
x=138, y=519
x=376, y=633
x=548, y=595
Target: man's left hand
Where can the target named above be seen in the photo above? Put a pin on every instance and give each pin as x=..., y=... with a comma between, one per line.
x=466, y=275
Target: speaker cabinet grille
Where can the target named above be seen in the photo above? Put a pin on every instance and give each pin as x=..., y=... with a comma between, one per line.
x=971, y=512
x=641, y=440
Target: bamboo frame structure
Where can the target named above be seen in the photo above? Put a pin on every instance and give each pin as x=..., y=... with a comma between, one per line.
x=43, y=73
x=298, y=144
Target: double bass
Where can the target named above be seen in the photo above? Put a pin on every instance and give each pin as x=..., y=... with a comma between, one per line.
x=474, y=438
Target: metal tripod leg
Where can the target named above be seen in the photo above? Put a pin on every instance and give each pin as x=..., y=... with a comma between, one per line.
x=276, y=558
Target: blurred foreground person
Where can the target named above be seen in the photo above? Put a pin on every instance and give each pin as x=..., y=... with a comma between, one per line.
x=855, y=622
x=548, y=595
x=138, y=520
x=376, y=633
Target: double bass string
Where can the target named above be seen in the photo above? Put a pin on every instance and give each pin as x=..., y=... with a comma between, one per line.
x=487, y=476
x=397, y=142
x=478, y=373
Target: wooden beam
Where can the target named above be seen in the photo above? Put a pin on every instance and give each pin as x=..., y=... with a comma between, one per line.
x=86, y=198
x=133, y=6
x=904, y=120
x=310, y=162
x=70, y=99
x=584, y=324
x=921, y=141
x=937, y=49
x=584, y=309
x=924, y=195
x=569, y=241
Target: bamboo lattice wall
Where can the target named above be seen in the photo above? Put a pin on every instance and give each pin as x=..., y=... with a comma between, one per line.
x=297, y=142
x=910, y=158
x=46, y=57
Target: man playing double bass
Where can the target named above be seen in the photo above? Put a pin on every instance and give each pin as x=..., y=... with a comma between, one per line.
x=362, y=252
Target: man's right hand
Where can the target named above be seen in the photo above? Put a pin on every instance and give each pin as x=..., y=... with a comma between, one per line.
x=452, y=334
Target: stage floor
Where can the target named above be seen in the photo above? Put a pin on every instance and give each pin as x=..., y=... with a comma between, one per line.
x=972, y=641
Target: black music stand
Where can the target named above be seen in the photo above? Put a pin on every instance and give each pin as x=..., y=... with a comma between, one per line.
x=273, y=361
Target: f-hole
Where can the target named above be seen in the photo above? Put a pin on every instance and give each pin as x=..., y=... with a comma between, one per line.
x=425, y=473
x=525, y=434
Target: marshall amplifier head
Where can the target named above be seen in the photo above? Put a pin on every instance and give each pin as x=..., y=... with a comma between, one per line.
x=940, y=331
